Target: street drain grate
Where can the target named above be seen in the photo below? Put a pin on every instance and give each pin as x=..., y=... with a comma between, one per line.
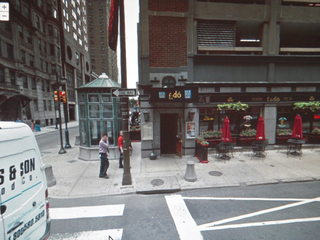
x=71, y=161
x=215, y=173
x=157, y=182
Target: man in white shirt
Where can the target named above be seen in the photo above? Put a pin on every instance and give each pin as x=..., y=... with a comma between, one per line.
x=103, y=154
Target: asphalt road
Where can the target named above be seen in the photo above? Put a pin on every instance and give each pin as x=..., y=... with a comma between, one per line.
x=277, y=211
x=50, y=141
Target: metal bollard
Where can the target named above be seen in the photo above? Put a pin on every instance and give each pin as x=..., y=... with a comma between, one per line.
x=51, y=180
x=190, y=175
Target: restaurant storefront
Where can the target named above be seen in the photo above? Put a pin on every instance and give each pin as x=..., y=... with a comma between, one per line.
x=176, y=116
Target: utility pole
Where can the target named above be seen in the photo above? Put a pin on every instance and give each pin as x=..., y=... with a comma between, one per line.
x=126, y=179
x=58, y=87
x=63, y=61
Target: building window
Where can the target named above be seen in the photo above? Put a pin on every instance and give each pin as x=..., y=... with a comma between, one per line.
x=33, y=83
x=25, y=11
x=31, y=60
x=50, y=105
x=168, y=82
x=28, y=36
x=43, y=86
x=50, y=30
x=35, y=105
x=44, y=105
x=37, y=22
x=10, y=51
x=52, y=48
x=20, y=31
x=25, y=81
x=12, y=78
x=2, y=78
x=23, y=56
x=77, y=58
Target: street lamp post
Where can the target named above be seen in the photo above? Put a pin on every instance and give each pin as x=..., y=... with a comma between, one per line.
x=65, y=110
x=62, y=150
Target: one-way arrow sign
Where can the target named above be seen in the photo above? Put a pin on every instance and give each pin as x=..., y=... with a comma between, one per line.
x=125, y=92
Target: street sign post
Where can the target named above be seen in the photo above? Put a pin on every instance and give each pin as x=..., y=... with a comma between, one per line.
x=125, y=92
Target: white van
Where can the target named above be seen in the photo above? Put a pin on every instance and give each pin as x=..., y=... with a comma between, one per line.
x=23, y=186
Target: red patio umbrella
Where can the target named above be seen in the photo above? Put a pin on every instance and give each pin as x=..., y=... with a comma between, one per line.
x=297, y=127
x=260, y=135
x=226, y=135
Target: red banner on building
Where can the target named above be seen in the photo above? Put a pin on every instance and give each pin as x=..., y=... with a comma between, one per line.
x=113, y=24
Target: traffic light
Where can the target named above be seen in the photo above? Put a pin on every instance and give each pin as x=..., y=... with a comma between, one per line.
x=56, y=96
x=63, y=97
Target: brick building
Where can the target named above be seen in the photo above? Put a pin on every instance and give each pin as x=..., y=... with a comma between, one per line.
x=195, y=54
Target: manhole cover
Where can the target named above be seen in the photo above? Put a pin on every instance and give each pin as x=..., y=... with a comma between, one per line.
x=71, y=161
x=215, y=173
x=157, y=182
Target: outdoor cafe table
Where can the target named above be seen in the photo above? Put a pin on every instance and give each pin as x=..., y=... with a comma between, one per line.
x=223, y=150
x=294, y=146
x=258, y=148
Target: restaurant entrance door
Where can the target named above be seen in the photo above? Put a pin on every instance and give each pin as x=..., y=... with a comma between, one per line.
x=168, y=133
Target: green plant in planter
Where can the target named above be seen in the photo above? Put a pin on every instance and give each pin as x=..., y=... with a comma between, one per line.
x=248, y=133
x=284, y=132
x=233, y=106
x=201, y=140
x=312, y=105
x=211, y=134
x=315, y=131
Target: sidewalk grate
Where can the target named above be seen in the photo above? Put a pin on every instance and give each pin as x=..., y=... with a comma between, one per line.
x=157, y=182
x=215, y=173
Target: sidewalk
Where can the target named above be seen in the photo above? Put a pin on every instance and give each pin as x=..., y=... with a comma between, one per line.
x=52, y=128
x=76, y=178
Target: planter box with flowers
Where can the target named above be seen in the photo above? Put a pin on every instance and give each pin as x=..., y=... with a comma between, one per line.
x=312, y=106
x=233, y=106
x=314, y=136
x=201, y=151
x=247, y=136
x=283, y=135
x=212, y=137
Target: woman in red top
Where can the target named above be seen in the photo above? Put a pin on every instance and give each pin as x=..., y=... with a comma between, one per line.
x=120, y=146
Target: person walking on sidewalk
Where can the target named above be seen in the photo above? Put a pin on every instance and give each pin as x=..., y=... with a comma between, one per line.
x=120, y=146
x=103, y=154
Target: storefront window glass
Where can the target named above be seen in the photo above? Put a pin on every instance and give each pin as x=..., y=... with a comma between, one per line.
x=95, y=132
x=107, y=111
x=83, y=133
x=94, y=111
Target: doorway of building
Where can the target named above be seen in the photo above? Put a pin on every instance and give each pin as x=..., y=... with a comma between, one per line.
x=168, y=133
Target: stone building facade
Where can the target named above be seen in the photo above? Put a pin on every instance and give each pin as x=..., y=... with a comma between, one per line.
x=103, y=59
x=31, y=57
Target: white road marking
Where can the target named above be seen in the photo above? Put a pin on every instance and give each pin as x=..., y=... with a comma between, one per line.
x=269, y=210
x=185, y=224
x=266, y=223
x=248, y=199
x=87, y=212
x=115, y=234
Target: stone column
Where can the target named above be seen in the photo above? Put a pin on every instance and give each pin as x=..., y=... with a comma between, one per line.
x=270, y=117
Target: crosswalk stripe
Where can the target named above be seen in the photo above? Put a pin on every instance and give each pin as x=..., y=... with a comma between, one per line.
x=87, y=212
x=110, y=234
